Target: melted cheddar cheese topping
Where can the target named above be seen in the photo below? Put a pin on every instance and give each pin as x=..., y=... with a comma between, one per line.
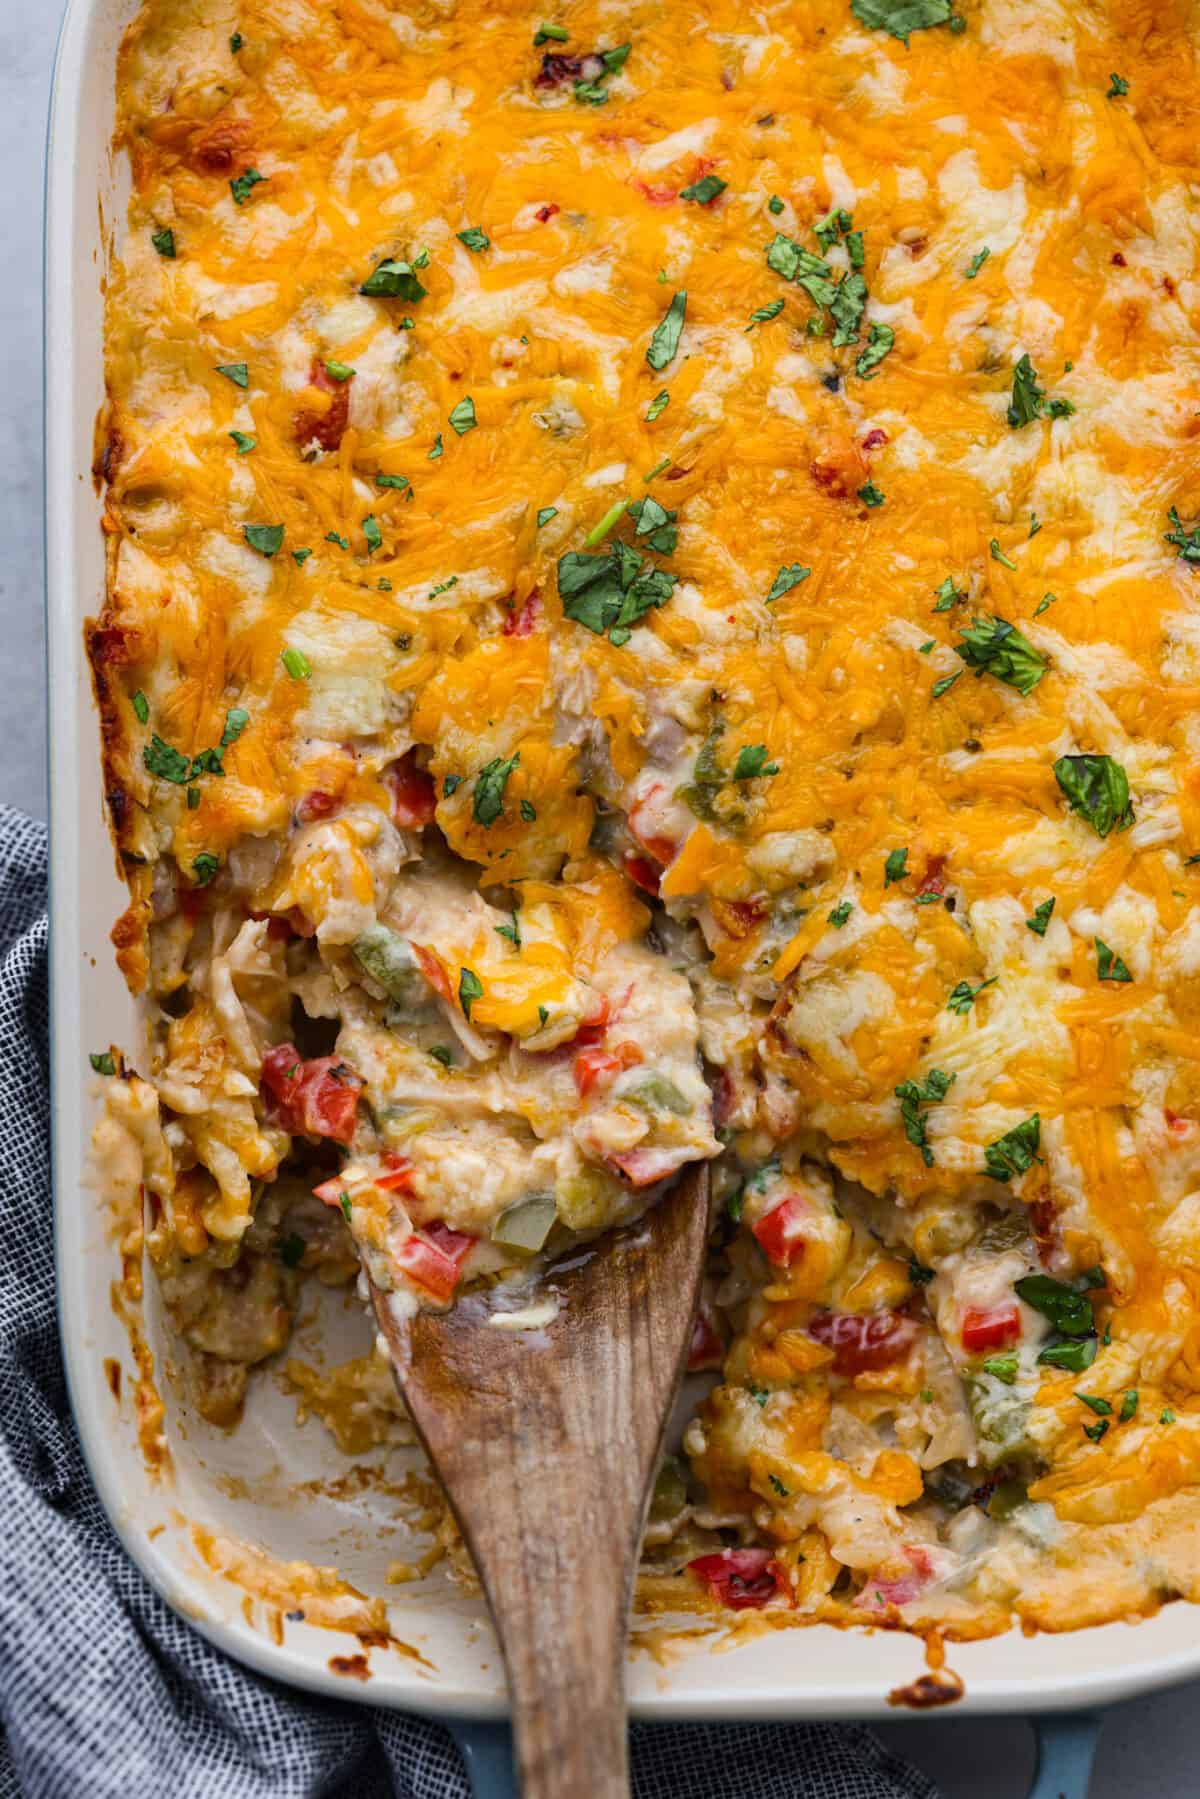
x=648, y=502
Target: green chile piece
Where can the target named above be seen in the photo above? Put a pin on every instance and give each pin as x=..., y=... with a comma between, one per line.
x=526, y=1224
x=386, y=957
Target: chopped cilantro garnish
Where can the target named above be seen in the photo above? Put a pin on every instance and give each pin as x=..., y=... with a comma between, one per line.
x=437, y=450
x=659, y=404
x=787, y=578
x=752, y=763
x=948, y=595
x=1097, y=789
x=870, y=495
x=1129, y=1406
x=343, y=543
x=301, y=556
x=393, y=280
x=1014, y=1153
x=900, y=17
x=912, y=1096
x=204, y=868
x=102, y=1062
x=944, y=685
x=895, y=867
x=474, y=238
x=609, y=594
x=490, y=783
x=242, y=185
x=528, y=812
x=463, y=417
x=1041, y=918
x=236, y=42
x=545, y=514
x=237, y=372
x=141, y=707
x=762, y=314
x=266, y=539
x=1116, y=87
x=998, y=554
x=976, y=263
x=441, y=1052
x=1096, y=1431
x=1186, y=542
x=510, y=932
x=665, y=341
x=704, y=191
x=372, y=533
x=840, y=914
x=775, y=204
x=1046, y=601
x=1027, y=396
x=1166, y=1416
x=397, y=481
x=243, y=443
x=880, y=339
x=964, y=995
x=470, y=988
x=994, y=647
x=164, y=242
x=1109, y=966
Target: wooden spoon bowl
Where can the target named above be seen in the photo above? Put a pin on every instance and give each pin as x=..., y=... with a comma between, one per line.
x=546, y=1441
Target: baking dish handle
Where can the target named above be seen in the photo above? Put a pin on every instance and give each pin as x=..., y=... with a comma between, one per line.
x=486, y=1748
x=1066, y=1748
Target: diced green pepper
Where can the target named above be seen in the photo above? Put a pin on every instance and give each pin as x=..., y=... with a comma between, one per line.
x=387, y=958
x=659, y=1094
x=525, y=1225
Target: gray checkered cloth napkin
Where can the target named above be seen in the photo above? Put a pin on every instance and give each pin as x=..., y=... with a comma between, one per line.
x=103, y=1690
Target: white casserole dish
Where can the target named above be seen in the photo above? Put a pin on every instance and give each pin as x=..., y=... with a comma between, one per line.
x=240, y=1486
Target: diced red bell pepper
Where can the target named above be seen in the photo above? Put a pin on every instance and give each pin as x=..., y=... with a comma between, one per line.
x=706, y=1350
x=781, y=1231
x=905, y=1587
x=742, y=1579
x=315, y=1098
x=522, y=622
x=642, y=872
x=642, y=1167
x=598, y=1068
x=432, y=969
x=433, y=1258
x=641, y=823
x=414, y=796
x=990, y=1327
x=398, y=1174
x=596, y=1023
x=657, y=196
x=863, y=1341
x=317, y=803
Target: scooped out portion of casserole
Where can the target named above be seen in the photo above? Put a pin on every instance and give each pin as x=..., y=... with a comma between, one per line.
x=654, y=616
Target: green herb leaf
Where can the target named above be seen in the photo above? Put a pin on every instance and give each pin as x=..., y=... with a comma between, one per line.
x=528, y=812
x=948, y=595
x=964, y=995
x=193, y=798
x=550, y=34
x=992, y=646
x=141, y=707
x=976, y=263
x=510, y=932
x=660, y=402
x=1129, y=1406
x=1003, y=1367
x=900, y=17
x=102, y=1062
x=1068, y=1310
x=1116, y=87
x=870, y=495
x=1041, y=918
x=463, y=417
x=393, y=280
x=1075, y=1354
x=236, y=42
x=437, y=450
x=704, y=191
x=1015, y=1152
x=266, y=539
x=786, y=579
x=441, y=1052
x=775, y=204
x=1109, y=966
x=1186, y=542
x=1096, y=1431
x=204, y=868
x=944, y=685
x=242, y=185
x=1035, y=526
x=665, y=341
x=847, y=307
x=880, y=339
x=545, y=515
x=300, y=557
x=474, y=238
x=998, y=554
x=347, y=1208
x=242, y=442
x=895, y=868
x=1027, y=396
x=912, y=1096
x=1047, y=600
x=1096, y=1404
x=166, y=762
x=237, y=372
x=470, y=988
x=397, y=481
x=451, y=784
x=752, y=763
x=762, y=314
x=296, y=663
x=164, y=242
x=1166, y=1416
x=372, y=533
x=840, y=914
x=1097, y=788
x=490, y=783
x=608, y=594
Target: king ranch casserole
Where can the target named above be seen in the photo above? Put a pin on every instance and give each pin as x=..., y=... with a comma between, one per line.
x=653, y=554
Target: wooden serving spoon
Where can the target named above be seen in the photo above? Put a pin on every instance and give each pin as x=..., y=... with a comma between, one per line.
x=546, y=1442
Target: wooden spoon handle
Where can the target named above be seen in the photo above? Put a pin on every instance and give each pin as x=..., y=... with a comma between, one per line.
x=546, y=1442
